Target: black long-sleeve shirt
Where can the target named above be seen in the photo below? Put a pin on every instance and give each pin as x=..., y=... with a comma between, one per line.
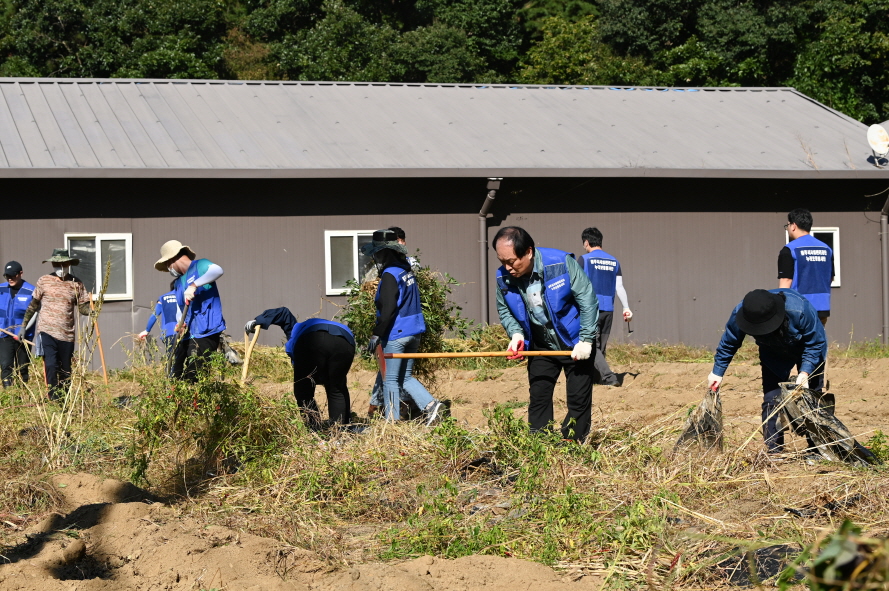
x=387, y=305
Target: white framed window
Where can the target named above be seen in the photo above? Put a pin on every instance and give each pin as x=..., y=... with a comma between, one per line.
x=94, y=252
x=343, y=259
x=831, y=237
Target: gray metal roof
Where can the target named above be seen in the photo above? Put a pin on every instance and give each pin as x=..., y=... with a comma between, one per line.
x=173, y=128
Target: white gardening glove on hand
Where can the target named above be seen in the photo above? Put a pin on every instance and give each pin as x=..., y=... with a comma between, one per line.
x=515, y=345
x=582, y=351
x=189, y=292
x=628, y=314
x=142, y=335
x=713, y=381
x=802, y=380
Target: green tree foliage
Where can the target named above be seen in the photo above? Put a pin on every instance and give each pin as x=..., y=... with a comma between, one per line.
x=571, y=53
x=847, y=66
x=833, y=50
x=108, y=38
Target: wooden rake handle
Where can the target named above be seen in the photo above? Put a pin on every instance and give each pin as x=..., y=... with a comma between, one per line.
x=478, y=354
x=12, y=334
x=248, y=352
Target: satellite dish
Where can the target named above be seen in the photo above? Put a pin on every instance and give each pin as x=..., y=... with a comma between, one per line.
x=878, y=140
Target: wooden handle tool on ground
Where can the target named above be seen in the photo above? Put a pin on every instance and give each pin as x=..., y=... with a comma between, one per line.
x=248, y=352
x=478, y=354
x=12, y=334
x=99, y=342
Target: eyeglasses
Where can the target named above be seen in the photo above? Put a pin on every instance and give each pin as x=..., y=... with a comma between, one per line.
x=785, y=225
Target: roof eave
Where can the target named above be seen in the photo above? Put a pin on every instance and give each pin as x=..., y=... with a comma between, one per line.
x=333, y=173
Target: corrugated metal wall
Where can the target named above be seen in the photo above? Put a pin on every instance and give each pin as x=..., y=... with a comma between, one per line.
x=684, y=272
x=687, y=260
x=268, y=262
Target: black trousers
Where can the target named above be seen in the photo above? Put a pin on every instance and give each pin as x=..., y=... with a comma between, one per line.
x=13, y=359
x=543, y=372
x=322, y=358
x=192, y=354
x=176, y=351
x=771, y=431
x=606, y=376
x=57, y=364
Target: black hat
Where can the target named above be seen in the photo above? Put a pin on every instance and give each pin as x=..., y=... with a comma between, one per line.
x=761, y=312
x=12, y=268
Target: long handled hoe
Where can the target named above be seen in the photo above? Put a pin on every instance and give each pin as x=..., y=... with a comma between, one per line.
x=248, y=351
x=12, y=334
x=382, y=357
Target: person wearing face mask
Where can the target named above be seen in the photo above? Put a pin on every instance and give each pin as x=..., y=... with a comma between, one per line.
x=399, y=325
x=58, y=296
x=789, y=333
x=198, y=297
x=15, y=297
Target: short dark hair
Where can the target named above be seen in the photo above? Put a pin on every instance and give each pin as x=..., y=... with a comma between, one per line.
x=399, y=233
x=801, y=217
x=521, y=240
x=593, y=236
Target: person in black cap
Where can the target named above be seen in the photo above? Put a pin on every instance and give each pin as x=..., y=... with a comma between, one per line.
x=786, y=327
x=15, y=297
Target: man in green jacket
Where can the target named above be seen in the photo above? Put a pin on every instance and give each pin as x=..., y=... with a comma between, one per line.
x=546, y=302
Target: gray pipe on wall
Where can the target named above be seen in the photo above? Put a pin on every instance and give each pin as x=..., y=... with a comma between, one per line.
x=884, y=251
x=493, y=186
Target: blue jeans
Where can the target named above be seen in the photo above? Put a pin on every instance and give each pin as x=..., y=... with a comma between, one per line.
x=398, y=378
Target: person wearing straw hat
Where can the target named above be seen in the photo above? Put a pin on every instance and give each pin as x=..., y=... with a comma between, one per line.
x=15, y=297
x=58, y=296
x=399, y=325
x=321, y=352
x=546, y=302
x=787, y=330
x=198, y=296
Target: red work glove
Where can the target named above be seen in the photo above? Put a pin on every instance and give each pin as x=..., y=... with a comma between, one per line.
x=516, y=346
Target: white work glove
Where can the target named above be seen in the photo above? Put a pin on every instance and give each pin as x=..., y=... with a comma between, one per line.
x=142, y=335
x=581, y=351
x=628, y=314
x=802, y=380
x=713, y=381
x=250, y=326
x=189, y=292
x=515, y=345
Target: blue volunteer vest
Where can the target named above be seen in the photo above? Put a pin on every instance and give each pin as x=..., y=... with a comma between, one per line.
x=812, y=266
x=12, y=309
x=314, y=324
x=409, y=321
x=168, y=308
x=602, y=269
x=204, y=317
x=563, y=310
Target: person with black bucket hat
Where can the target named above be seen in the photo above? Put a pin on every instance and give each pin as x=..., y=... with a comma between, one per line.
x=399, y=325
x=787, y=330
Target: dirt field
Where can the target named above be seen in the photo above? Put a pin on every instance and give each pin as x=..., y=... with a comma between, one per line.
x=114, y=532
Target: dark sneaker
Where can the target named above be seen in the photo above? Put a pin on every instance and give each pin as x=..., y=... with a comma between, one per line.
x=433, y=413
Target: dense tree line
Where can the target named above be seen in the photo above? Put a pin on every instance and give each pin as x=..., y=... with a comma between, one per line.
x=833, y=50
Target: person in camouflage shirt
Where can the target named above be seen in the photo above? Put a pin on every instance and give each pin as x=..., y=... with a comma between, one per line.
x=58, y=296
